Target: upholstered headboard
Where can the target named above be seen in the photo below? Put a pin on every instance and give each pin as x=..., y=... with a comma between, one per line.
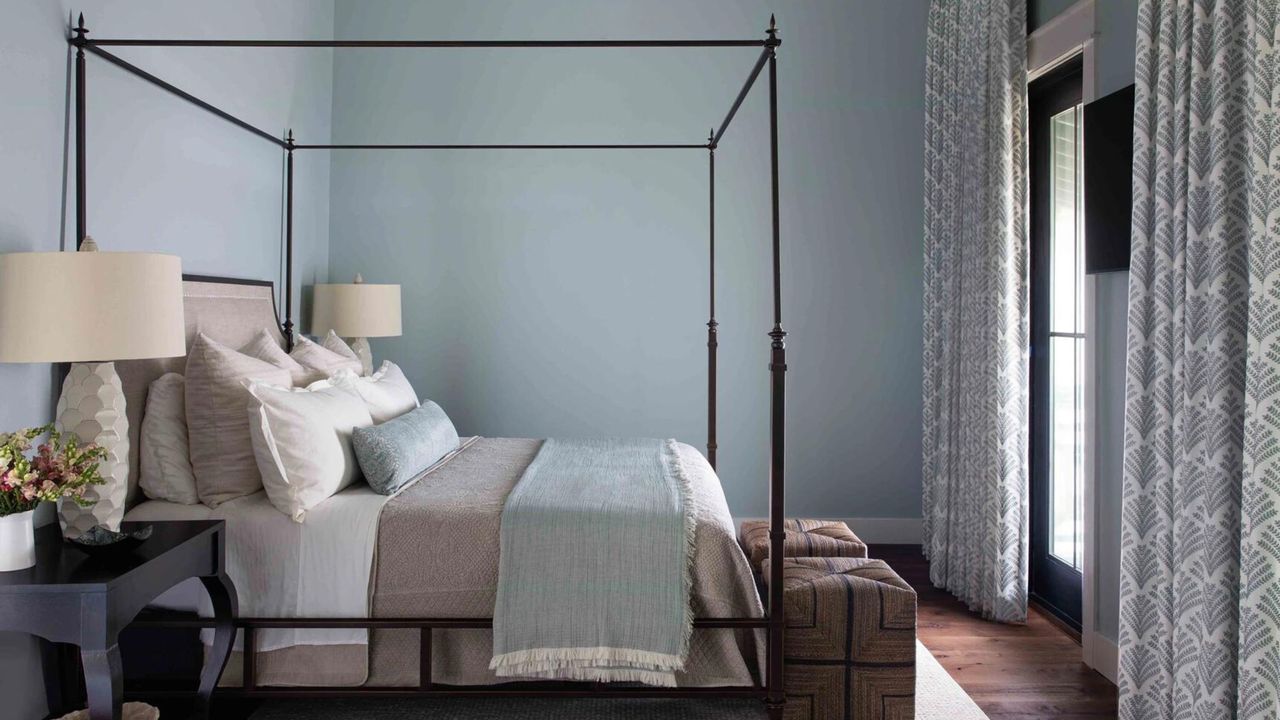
x=227, y=310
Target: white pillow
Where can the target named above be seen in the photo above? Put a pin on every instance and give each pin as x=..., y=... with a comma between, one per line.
x=387, y=393
x=322, y=359
x=264, y=347
x=302, y=441
x=164, y=460
x=217, y=429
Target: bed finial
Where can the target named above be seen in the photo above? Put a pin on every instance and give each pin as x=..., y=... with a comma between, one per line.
x=711, y=139
x=773, y=29
x=80, y=29
x=289, y=137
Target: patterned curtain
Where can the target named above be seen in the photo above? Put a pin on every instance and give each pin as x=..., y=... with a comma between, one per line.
x=1200, y=540
x=976, y=304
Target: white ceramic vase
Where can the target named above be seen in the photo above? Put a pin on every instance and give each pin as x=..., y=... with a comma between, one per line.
x=17, y=541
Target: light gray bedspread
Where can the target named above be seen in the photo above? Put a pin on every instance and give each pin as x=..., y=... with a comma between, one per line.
x=438, y=549
x=593, y=572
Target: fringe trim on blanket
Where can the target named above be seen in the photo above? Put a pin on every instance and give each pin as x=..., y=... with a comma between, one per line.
x=671, y=457
x=590, y=663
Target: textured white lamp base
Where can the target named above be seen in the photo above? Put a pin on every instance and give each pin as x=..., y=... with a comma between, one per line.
x=360, y=346
x=93, y=407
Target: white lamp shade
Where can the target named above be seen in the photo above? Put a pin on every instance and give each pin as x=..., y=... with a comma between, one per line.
x=356, y=310
x=90, y=306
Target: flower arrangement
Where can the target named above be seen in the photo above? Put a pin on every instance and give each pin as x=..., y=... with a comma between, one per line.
x=61, y=467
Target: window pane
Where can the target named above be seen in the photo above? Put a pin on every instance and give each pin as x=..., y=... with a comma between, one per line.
x=1079, y=224
x=1065, y=456
x=1079, y=474
x=1064, y=247
x=1066, y=328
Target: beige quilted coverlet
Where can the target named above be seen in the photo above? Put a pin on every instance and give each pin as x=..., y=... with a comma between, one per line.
x=438, y=557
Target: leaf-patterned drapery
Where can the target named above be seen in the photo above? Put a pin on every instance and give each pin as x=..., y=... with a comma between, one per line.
x=976, y=304
x=1200, y=538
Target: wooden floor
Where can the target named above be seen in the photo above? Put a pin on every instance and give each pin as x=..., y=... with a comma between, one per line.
x=1028, y=671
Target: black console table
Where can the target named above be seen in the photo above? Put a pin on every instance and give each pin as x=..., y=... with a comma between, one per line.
x=70, y=598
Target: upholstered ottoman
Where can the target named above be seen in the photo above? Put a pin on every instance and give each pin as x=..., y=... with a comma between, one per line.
x=805, y=538
x=850, y=648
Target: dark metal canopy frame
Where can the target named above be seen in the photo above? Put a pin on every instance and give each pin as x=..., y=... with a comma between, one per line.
x=771, y=689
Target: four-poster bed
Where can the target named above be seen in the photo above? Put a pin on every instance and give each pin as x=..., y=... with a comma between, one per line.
x=771, y=689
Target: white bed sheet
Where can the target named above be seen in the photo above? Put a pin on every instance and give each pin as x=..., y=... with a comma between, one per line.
x=318, y=568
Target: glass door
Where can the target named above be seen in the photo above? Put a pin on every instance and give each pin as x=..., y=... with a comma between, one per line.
x=1058, y=341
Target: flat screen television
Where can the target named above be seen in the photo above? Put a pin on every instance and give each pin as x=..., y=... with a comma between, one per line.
x=1108, y=181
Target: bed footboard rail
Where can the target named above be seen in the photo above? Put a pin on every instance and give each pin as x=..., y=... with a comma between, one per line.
x=250, y=689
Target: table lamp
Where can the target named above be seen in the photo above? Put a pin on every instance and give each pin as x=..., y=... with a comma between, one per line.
x=90, y=308
x=357, y=311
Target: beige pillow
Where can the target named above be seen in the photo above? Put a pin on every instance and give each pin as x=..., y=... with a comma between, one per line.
x=302, y=440
x=338, y=345
x=321, y=359
x=265, y=348
x=217, y=426
x=387, y=393
x=164, y=458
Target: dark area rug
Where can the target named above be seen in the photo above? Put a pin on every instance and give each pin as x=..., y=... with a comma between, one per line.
x=511, y=709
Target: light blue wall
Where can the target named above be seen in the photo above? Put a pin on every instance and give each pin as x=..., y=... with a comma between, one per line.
x=1116, y=23
x=163, y=175
x=565, y=294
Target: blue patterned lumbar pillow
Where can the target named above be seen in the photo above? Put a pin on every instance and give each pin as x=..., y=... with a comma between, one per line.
x=397, y=451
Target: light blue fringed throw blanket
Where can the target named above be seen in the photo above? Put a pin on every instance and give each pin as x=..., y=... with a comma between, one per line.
x=594, y=572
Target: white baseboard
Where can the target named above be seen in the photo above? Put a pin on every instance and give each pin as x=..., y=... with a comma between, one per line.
x=1106, y=657
x=888, y=531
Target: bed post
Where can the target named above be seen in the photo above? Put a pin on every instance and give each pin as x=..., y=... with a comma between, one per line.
x=776, y=698
x=712, y=325
x=287, y=326
x=81, y=181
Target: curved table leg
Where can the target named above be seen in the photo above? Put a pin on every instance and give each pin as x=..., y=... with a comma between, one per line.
x=225, y=607
x=103, y=682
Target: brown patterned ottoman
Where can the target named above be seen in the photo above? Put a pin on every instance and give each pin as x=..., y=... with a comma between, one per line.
x=850, y=649
x=805, y=538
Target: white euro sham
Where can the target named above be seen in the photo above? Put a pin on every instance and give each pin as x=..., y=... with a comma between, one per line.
x=301, y=439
